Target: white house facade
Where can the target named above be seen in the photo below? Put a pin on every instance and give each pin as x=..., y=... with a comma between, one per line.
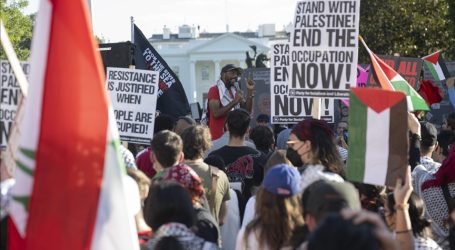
x=198, y=59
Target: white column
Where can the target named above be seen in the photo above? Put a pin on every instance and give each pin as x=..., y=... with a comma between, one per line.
x=192, y=94
x=217, y=69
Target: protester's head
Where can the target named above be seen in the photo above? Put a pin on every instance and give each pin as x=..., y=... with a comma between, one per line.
x=371, y=196
x=196, y=141
x=313, y=141
x=216, y=161
x=334, y=233
x=230, y=74
x=167, y=148
x=168, y=242
x=163, y=122
x=182, y=123
x=341, y=128
x=446, y=138
x=262, y=119
x=429, y=136
x=324, y=197
x=420, y=225
x=168, y=202
x=276, y=158
x=238, y=122
x=277, y=207
x=185, y=176
x=449, y=123
x=263, y=138
x=142, y=181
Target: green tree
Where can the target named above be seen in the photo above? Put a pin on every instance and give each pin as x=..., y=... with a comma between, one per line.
x=18, y=27
x=413, y=28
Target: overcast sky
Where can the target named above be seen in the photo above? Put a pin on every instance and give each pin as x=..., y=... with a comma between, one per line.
x=111, y=18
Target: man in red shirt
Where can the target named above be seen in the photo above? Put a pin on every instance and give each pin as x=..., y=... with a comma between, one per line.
x=226, y=96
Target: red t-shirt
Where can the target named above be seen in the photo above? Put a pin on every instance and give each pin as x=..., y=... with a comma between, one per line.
x=216, y=125
x=144, y=163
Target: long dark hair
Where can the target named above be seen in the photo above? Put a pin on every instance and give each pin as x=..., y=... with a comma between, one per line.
x=323, y=147
x=420, y=225
x=168, y=202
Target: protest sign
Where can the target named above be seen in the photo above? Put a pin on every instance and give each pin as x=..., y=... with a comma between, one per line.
x=261, y=100
x=10, y=95
x=286, y=107
x=324, y=48
x=133, y=94
x=409, y=68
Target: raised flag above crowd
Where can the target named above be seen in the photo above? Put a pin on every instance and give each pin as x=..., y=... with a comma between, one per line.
x=437, y=66
x=172, y=99
x=377, y=135
x=69, y=192
x=389, y=79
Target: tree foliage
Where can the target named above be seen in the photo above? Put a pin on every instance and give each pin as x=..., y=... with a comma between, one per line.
x=413, y=28
x=18, y=27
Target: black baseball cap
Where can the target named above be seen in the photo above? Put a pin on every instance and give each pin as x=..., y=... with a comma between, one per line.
x=229, y=67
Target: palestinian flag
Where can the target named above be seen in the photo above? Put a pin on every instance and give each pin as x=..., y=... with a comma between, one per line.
x=378, y=136
x=389, y=79
x=437, y=66
x=69, y=191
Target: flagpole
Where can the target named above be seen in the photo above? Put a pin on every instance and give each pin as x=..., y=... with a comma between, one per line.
x=364, y=44
x=8, y=157
x=132, y=29
x=13, y=60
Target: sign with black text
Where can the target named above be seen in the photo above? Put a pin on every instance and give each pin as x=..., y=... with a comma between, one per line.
x=261, y=100
x=10, y=95
x=133, y=94
x=286, y=107
x=324, y=48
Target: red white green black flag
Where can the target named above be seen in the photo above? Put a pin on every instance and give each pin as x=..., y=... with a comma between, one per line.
x=378, y=136
x=437, y=66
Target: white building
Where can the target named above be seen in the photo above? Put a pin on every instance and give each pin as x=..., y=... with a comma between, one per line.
x=197, y=58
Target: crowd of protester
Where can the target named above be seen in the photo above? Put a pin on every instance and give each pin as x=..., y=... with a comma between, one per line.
x=285, y=187
x=250, y=193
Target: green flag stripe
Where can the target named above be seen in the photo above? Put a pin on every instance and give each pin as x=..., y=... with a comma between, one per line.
x=417, y=101
x=23, y=200
x=29, y=153
x=433, y=72
x=357, y=139
x=24, y=168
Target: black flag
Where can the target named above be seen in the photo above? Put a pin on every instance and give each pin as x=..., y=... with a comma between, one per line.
x=171, y=95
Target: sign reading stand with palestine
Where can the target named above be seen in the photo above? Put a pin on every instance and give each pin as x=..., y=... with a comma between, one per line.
x=133, y=94
x=324, y=48
x=287, y=108
x=10, y=95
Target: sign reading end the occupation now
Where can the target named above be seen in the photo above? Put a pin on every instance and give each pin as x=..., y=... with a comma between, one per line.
x=133, y=94
x=323, y=51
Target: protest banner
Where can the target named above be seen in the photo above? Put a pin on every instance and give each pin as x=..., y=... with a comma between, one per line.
x=286, y=107
x=10, y=95
x=133, y=94
x=323, y=48
x=409, y=68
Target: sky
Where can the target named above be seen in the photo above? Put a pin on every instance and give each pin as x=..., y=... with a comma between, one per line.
x=111, y=18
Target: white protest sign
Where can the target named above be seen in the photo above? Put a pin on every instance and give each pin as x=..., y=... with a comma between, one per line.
x=324, y=48
x=133, y=94
x=10, y=95
x=286, y=108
